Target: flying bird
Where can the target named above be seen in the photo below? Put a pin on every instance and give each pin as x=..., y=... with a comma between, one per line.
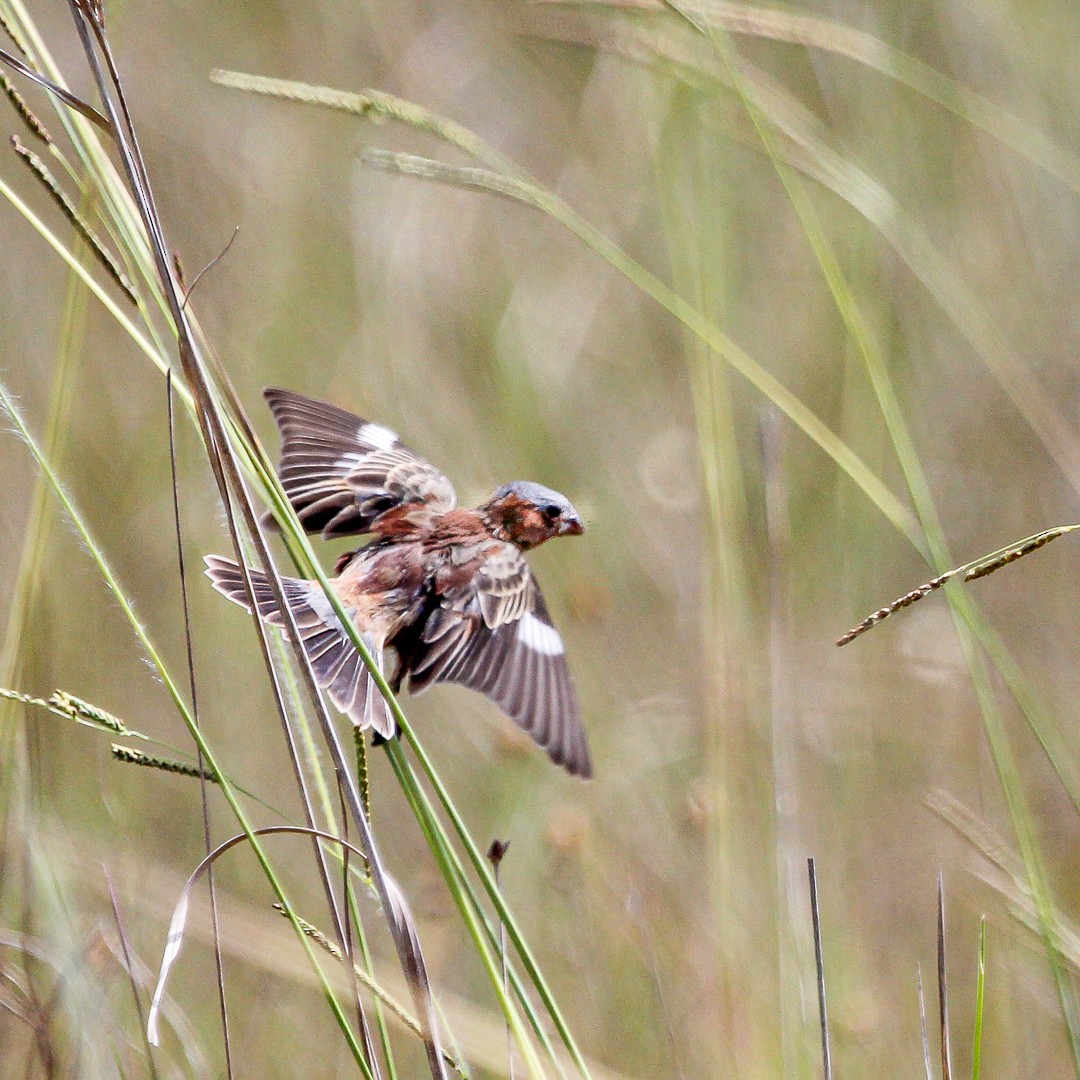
x=446, y=591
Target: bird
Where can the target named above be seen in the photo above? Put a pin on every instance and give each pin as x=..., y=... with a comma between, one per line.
x=445, y=591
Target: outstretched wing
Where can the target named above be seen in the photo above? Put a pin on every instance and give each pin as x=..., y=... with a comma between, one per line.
x=495, y=636
x=334, y=659
x=342, y=473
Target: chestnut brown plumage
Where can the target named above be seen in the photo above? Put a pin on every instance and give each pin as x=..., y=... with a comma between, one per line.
x=446, y=591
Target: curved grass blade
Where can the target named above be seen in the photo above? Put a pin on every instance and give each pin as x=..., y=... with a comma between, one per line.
x=806, y=145
x=402, y=917
x=839, y=39
x=527, y=191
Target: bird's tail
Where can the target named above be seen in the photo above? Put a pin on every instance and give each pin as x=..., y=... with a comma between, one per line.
x=338, y=667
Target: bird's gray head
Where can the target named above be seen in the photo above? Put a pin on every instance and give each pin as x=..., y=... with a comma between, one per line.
x=529, y=513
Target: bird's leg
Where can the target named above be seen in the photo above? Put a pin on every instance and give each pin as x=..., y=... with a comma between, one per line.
x=378, y=740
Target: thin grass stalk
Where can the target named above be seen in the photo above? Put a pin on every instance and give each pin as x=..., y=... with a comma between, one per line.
x=1006, y=766
x=479, y=865
x=782, y=709
x=980, y=1001
x=369, y=967
x=40, y=520
x=349, y=924
x=923, y=1026
x=34, y=877
x=181, y=910
x=192, y=689
x=943, y=984
x=845, y=303
x=130, y=972
x=496, y=854
x=699, y=272
x=819, y=964
x=308, y=746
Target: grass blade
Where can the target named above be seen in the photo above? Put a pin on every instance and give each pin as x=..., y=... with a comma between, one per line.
x=943, y=983
x=980, y=1001
x=819, y=965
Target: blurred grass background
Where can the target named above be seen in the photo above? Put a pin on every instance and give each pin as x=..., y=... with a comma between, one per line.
x=725, y=551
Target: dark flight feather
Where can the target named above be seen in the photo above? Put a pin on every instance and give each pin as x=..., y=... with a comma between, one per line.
x=342, y=474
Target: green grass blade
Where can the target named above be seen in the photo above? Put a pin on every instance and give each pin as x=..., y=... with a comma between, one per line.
x=980, y=1001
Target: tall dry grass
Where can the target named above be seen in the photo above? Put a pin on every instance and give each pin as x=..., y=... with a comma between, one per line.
x=784, y=298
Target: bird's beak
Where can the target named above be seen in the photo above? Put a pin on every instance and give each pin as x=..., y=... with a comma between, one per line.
x=571, y=525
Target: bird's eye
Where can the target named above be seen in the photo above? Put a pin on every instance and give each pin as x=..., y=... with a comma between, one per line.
x=551, y=511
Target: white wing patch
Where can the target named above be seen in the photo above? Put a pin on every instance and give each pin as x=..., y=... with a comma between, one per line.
x=538, y=636
x=377, y=436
